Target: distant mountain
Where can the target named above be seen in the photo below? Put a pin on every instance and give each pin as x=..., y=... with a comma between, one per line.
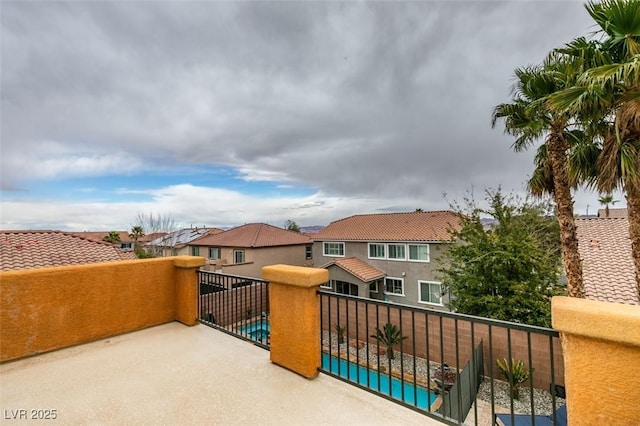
x=311, y=229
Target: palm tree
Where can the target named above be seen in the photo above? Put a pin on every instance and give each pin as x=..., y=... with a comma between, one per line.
x=610, y=93
x=113, y=237
x=137, y=232
x=605, y=200
x=529, y=119
x=389, y=336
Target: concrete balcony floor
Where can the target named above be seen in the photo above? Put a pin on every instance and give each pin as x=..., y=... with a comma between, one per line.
x=178, y=375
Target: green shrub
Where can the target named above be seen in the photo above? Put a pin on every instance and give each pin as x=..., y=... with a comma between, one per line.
x=515, y=373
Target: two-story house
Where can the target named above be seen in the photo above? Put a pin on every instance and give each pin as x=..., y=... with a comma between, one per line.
x=244, y=250
x=388, y=256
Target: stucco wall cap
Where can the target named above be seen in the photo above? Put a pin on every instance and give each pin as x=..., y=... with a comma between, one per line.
x=299, y=276
x=188, y=261
x=598, y=320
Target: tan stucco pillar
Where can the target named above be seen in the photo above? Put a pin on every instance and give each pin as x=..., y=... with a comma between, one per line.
x=601, y=349
x=295, y=316
x=187, y=288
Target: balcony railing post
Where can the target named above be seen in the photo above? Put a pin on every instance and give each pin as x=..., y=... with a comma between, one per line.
x=295, y=316
x=186, y=307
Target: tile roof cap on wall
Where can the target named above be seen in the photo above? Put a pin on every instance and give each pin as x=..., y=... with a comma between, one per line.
x=253, y=235
x=44, y=249
x=432, y=226
x=358, y=268
x=607, y=266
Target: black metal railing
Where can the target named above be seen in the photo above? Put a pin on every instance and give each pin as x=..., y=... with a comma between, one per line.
x=443, y=364
x=236, y=305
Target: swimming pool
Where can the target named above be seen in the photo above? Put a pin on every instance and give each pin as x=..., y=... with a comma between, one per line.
x=369, y=378
x=257, y=330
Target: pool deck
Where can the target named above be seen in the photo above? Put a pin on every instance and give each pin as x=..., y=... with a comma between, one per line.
x=173, y=374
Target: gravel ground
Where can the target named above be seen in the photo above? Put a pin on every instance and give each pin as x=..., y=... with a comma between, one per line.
x=542, y=399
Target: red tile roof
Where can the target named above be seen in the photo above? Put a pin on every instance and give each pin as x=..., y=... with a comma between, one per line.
x=253, y=235
x=358, y=268
x=124, y=236
x=613, y=213
x=43, y=249
x=607, y=265
x=413, y=226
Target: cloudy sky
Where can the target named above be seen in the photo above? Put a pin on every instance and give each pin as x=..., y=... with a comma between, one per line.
x=223, y=113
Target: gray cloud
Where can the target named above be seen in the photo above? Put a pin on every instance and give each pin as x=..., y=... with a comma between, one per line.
x=374, y=99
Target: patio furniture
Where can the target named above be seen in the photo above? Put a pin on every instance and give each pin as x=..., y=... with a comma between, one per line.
x=525, y=419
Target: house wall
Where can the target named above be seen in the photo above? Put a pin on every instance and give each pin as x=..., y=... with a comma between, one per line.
x=410, y=271
x=256, y=258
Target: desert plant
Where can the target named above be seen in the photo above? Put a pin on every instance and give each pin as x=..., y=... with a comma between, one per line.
x=515, y=372
x=389, y=336
x=340, y=330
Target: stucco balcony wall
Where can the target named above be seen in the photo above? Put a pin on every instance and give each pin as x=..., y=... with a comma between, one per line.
x=52, y=308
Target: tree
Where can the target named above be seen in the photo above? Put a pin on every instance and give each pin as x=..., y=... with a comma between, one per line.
x=609, y=93
x=605, y=200
x=113, y=237
x=290, y=225
x=136, y=233
x=529, y=119
x=389, y=336
x=154, y=224
x=509, y=271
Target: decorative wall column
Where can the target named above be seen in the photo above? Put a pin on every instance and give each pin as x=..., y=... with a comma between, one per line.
x=295, y=316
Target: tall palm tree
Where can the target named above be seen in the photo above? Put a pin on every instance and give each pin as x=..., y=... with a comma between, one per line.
x=113, y=237
x=605, y=200
x=137, y=232
x=610, y=93
x=529, y=119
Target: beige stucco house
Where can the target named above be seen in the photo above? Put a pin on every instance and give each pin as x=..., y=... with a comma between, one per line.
x=244, y=250
x=389, y=256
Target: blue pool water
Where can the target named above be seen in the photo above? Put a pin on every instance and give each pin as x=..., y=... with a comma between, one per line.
x=369, y=378
x=258, y=331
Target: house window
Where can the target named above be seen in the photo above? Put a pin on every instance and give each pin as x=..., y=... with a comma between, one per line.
x=334, y=249
x=419, y=252
x=376, y=251
x=308, y=252
x=328, y=284
x=195, y=251
x=125, y=246
x=373, y=287
x=214, y=252
x=238, y=256
x=430, y=292
x=396, y=251
x=343, y=287
x=394, y=286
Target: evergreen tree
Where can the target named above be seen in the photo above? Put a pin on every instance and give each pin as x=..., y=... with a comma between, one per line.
x=508, y=270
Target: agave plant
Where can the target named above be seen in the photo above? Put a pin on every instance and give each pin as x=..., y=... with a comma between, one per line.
x=389, y=336
x=515, y=373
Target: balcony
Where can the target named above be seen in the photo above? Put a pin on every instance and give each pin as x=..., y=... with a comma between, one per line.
x=173, y=374
x=120, y=343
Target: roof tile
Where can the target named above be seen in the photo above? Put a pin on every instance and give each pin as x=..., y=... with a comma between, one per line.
x=253, y=235
x=607, y=266
x=412, y=226
x=43, y=249
x=358, y=268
